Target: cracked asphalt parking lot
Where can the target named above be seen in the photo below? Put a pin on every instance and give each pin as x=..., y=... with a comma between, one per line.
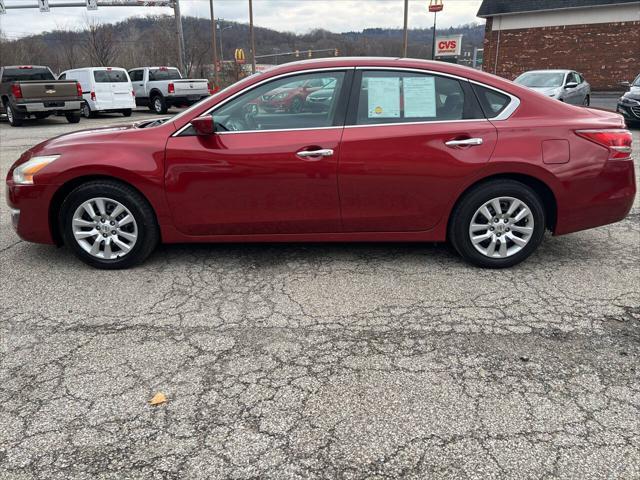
x=301, y=361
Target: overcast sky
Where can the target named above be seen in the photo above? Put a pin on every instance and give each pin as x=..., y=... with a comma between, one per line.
x=298, y=16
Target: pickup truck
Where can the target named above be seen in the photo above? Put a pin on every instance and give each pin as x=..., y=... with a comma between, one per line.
x=161, y=88
x=32, y=91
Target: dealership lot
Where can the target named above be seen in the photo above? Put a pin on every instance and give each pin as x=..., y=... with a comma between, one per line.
x=315, y=361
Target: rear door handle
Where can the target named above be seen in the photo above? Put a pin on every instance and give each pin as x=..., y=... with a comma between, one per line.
x=324, y=152
x=467, y=142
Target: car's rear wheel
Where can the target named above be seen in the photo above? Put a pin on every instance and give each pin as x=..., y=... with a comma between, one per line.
x=72, y=117
x=498, y=224
x=587, y=101
x=159, y=104
x=86, y=111
x=126, y=112
x=15, y=119
x=108, y=225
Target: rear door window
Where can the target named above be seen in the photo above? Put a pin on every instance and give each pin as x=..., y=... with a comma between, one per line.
x=401, y=97
x=136, y=75
x=110, y=76
x=16, y=74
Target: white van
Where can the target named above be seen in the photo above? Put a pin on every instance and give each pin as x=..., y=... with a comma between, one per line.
x=105, y=89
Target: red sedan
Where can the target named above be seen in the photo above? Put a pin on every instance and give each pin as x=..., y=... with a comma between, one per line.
x=408, y=150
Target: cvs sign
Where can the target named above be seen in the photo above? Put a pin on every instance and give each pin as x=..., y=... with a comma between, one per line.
x=448, y=46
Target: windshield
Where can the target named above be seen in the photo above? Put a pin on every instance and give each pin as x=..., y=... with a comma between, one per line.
x=16, y=74
x=164, y=74
x=636, y=82
x=189, y=111
x=110, y=76
x=541, y=79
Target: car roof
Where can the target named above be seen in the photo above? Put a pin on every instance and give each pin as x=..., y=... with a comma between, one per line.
x=549, y=70
x=94, y=68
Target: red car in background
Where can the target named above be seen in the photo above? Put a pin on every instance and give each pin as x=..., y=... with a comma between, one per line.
x=407, y=150
x=292, y=98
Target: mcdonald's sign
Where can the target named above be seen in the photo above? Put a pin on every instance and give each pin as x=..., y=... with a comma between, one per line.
x=435, y=6
x=239, y=56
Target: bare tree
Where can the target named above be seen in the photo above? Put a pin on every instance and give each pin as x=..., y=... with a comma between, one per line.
x=100, y=43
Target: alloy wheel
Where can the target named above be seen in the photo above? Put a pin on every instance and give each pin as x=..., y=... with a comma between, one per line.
x=501, y=227
x=157, y=105
x=104, y=228
x=9, y=114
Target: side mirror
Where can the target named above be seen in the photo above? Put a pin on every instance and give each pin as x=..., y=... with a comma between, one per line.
x=204, y=125
x=625, y=84
x=571, y=85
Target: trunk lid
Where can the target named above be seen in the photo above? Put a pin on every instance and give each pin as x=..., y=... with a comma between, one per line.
x=48, y=89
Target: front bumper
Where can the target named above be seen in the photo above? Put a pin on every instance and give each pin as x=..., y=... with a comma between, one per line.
x=53, y=106
x=630, y=112
x=29, y=207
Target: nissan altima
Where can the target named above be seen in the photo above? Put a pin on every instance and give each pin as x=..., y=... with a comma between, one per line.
x=406, y=150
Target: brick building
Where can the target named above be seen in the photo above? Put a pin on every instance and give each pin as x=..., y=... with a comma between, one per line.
x=599, y=38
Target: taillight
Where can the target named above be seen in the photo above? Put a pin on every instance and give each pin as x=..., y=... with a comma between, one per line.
x=93, y=96
x=16, y=91
x=79, y=89
x=171, y=88
x=133, y=93
x=618, y=141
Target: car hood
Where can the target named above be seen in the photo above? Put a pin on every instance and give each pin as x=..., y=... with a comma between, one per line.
x=634, y=93
x=545, y=90
x=81, y=137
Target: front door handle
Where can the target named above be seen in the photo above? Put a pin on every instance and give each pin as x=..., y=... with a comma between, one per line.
x=324, y=152
x=467, y=142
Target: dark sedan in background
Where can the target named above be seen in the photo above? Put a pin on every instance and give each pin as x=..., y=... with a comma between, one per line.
x=629, y=103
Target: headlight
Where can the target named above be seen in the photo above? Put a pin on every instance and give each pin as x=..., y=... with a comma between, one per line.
x=23, y=174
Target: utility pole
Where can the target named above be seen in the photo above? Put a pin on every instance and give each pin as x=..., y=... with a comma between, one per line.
x=253, y=40
x=405, y=44
x=180, y=33
x=216, y=75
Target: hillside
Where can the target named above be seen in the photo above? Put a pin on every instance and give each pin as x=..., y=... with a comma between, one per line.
x=151, y=40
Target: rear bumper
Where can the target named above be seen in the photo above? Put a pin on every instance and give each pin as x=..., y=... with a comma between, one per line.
x=184, y=99
x=607, y=199
x=53, y=106
x=29, y=206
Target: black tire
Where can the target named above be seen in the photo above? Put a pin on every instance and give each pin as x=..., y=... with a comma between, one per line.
x=159, y=105
x=587, y=101
x=86, y=111
x=126, y=112
x=148, y=231
x=72, y=117
x=15, y=119
x=466, y=208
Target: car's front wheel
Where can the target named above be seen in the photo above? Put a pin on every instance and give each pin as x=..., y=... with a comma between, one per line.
x=108, y=225
x=498, y=224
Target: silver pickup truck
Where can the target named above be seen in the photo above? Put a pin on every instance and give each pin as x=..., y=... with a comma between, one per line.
x=161, y=88
x=30, y=91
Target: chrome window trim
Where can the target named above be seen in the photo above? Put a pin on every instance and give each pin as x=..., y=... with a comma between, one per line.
x=504, y=115
x=278, y=130
x=427, y=122
x=256, y=85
